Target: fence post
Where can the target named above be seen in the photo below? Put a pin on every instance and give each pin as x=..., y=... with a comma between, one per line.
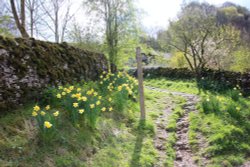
x=140, y=81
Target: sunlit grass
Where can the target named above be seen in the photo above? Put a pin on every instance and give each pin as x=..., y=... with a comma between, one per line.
x=223, y=119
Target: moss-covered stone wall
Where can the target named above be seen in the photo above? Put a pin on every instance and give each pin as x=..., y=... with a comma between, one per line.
x=27, y=66
x=227, y=78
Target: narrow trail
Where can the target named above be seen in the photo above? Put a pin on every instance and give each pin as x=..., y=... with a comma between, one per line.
x=184, y=155
x=161, y=136
x=183, y=152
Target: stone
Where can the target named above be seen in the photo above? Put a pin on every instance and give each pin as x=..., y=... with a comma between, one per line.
x=41, y=64
x=178, y=156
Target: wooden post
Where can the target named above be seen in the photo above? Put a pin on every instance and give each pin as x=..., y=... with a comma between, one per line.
x=140, y=81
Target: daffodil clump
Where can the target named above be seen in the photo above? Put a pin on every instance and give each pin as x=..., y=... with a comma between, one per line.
x=47, y=119
x=218, y=103
x=83, y=104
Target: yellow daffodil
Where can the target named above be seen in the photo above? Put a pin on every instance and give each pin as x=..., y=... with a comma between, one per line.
x=110, y=99
x=56, y=113
x=92, y=105
x=110, y=109
x=78, y=95
x=101, y=82
x=84, y=98
x=75, y=105
x=81, y=111
x=103, y=109
x=47, y=124
x=101, y=76
x=34, y=114
x=89, y=92
x=119, y=88
x=36, y=108
x=63, y=93
x=59, y=96
x=68, y=90
x=73, y=95
x=99, y=97
x=71, y=88
x=98, y=103
x=95, y=93
x=47, y=107
x=78, y=89
x=43, y=113
x=60, y=87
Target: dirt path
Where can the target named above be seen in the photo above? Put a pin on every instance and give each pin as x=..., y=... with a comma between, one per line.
x=184, y=155
x=161, y=136
x=183, y=151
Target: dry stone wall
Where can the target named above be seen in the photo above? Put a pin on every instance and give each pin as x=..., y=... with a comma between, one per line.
x=228, y=78
x=27, y=66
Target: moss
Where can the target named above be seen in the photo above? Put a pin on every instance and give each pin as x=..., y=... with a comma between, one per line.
x=48, y=60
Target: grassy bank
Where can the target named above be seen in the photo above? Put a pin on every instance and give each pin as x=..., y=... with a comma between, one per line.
x=223, y=119
x=118, y=137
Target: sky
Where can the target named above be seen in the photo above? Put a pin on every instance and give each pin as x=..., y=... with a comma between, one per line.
x=159, y=12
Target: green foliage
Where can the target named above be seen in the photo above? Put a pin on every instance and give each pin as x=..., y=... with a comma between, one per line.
x=119, y=18
x=197, y=35
x=222, y=119
x=83, y=103
x=241, y=60
x=4, y=30
x=211, y=104
x=225, y=123
x=175, y=85
x=178, y=60
x=114, y=140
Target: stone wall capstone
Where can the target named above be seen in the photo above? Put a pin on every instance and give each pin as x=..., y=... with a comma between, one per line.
x=27, y=66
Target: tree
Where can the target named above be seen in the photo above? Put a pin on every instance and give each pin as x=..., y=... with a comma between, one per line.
x=55, y=15
x=196, y=34
x=86, y=37
x=19, y=20
x=115, y=14
x=34, y=13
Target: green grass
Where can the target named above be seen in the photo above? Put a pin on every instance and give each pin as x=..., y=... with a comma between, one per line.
x=119, y=138
x=174, y=85
x=223, y=119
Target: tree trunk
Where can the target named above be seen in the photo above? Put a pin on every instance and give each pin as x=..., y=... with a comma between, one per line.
x=22, y=15
x=20, y=26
